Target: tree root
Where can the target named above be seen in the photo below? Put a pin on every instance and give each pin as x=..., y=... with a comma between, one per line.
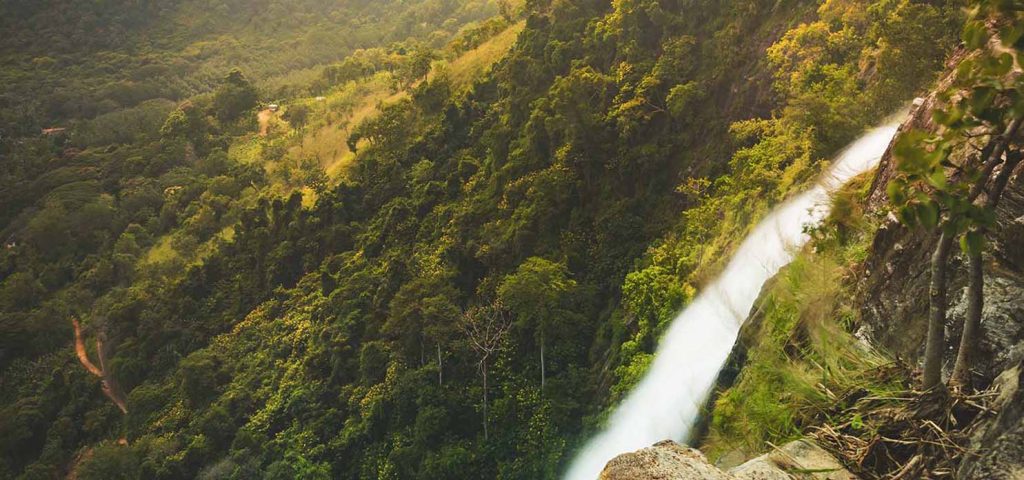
x=905, y=436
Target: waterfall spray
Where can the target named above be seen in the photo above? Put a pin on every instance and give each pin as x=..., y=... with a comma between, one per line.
x=667, y=401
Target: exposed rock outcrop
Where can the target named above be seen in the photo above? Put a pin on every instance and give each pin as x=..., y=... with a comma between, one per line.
x=801, y=459
x=893, y=294
x=998, y=443
x=893, y=298
x=663, y=461
x=669, y=460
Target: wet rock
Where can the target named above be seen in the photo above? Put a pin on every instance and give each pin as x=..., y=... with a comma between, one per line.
x=894, y=280
x=893, y=299
x=1002, y=323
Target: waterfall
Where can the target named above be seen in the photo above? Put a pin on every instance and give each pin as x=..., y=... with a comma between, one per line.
x=667, y=401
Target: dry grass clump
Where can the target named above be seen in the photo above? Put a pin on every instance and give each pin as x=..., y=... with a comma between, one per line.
x=905, y=435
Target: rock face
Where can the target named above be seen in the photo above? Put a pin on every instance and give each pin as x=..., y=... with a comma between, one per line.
x=893, y=299
x=893, y=293
x=668, y=460
x=998, y=444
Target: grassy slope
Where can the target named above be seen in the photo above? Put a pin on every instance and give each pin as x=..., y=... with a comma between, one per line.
x=333, y=117
x=803, y=359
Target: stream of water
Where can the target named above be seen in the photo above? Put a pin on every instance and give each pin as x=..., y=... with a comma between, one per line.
x=667, y=401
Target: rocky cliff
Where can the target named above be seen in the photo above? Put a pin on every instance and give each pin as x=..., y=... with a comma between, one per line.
x=893, y=301
x=893, y=283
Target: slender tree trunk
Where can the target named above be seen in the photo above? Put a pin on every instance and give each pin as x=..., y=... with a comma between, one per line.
x=440, y=366
x=935, y=343
x=992, y=155
x=976, y=286
x=484, y=370
x=972, y=324
x=542, y=373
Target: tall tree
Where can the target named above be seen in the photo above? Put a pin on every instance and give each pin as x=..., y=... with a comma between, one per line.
x=973, y=243
x=486, y=328
x=234, y=97
x=535, y=293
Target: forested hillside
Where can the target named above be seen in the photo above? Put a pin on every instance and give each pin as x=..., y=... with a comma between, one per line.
x=73, y=60
x=487, y=271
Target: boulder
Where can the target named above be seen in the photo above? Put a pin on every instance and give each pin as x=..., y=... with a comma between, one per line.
x=668, y=460
x=800, y=459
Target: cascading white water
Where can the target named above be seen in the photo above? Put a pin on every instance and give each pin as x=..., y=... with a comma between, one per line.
x=667, y=401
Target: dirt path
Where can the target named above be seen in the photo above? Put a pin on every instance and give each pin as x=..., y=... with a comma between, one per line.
x=264, y=119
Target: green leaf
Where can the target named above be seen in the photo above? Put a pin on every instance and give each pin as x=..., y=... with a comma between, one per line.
x=896, y=191
x=975, y=35
x=947, y=117
x=972, y=242
x=938, y=179
x=993, y=67
x=937, y=156
x=1011, y=34
x=1004, y=63
x=982, y=98
x=908, y=152
x=964, y=72
x=906, y=215
x=857, y=422
x=928, y=214
x=953, y=226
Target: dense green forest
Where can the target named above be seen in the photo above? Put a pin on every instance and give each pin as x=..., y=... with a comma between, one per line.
x=80, y=60
x=489, y=272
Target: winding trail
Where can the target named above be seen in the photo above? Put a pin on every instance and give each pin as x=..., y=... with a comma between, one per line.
x=264, y=119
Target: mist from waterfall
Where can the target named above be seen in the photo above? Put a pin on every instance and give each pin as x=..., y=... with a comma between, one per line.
x=667, y=401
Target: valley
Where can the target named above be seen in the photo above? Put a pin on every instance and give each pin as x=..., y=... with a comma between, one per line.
x=443, y=239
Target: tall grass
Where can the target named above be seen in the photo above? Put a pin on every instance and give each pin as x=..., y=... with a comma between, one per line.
x=470, y=65
x=802, y=358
